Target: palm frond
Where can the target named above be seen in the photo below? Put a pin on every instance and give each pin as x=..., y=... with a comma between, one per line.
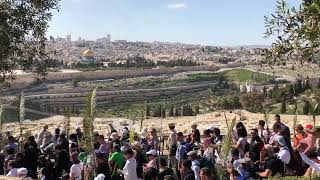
x=266, y=116
x=295, y=118
x=21, y=108
x=1, y=113
x=21, y=117
x=93, y=104
x=227, y=140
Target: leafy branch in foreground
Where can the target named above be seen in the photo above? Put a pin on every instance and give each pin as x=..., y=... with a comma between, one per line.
x=23, y=37
x=296, y=32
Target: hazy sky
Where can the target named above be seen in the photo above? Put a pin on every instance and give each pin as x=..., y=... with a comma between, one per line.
x=212, y=22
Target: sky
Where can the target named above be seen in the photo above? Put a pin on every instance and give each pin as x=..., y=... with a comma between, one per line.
x=209, y=22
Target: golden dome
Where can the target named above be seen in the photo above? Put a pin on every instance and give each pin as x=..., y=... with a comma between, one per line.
x=88, y=53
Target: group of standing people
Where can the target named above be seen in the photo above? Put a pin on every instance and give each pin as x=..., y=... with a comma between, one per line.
x=193, y=156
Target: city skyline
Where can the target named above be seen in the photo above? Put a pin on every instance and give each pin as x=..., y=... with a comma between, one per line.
x=227, y=23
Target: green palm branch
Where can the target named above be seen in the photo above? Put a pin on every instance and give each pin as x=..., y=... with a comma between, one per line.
x=227, y=141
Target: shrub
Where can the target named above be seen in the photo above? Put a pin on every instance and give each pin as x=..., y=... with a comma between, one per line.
x=252, y=101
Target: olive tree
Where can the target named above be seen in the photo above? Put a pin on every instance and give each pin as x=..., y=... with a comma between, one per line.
x=23, y=25
x=295, y=31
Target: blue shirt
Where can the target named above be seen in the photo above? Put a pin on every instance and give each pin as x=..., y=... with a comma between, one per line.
x=181, y=151
x=13, y=146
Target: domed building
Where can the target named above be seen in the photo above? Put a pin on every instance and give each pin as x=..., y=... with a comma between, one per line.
x=88, y=54
x=88, y=57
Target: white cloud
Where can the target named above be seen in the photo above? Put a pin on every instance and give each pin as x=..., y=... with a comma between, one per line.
x=177, y=6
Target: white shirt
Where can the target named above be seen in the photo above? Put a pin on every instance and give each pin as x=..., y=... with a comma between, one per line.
x=272, y=138
x=130, y=170
x=76, y=170
x=13, y=172
x=235, y=135
x=196, y=169
x=311, y=163
x=264, y=135
x=173, y=138
x=242, y=141
x=284, y=155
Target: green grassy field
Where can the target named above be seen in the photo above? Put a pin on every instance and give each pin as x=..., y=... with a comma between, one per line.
x=243, y=75
x=235, y=75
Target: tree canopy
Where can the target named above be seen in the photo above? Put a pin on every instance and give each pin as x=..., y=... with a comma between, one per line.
x=23, y=24
x=296, y=32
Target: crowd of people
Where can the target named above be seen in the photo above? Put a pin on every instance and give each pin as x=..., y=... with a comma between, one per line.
x=193, y=156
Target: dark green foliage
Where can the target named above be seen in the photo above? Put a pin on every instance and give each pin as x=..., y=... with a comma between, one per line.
x=298, y=86
x=171, y=111
x=197, y=109
x=179, y=62
x=137, y=61
x=147, y=110
x=232, y=102
x=187, y=110
x=252, y=101
x=22, y=33
x=177, y=111
x=306, y=107
x=163, y=113
x=283, y=106
x=75, y=82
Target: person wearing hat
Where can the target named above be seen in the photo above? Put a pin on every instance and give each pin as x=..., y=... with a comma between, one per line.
x=300, y=134
x=193, y=157
x=114, y=137
x=284, y=153
x=172, y=143
x=23, y=173
x=152, y=158
x=76, y=168
x=246, y=171
x=130, y=168
x=310, y=141
x=195, y=132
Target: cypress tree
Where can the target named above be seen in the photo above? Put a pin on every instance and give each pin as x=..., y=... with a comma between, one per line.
x=171, y=111
x=306, y=107
x=283, y=106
